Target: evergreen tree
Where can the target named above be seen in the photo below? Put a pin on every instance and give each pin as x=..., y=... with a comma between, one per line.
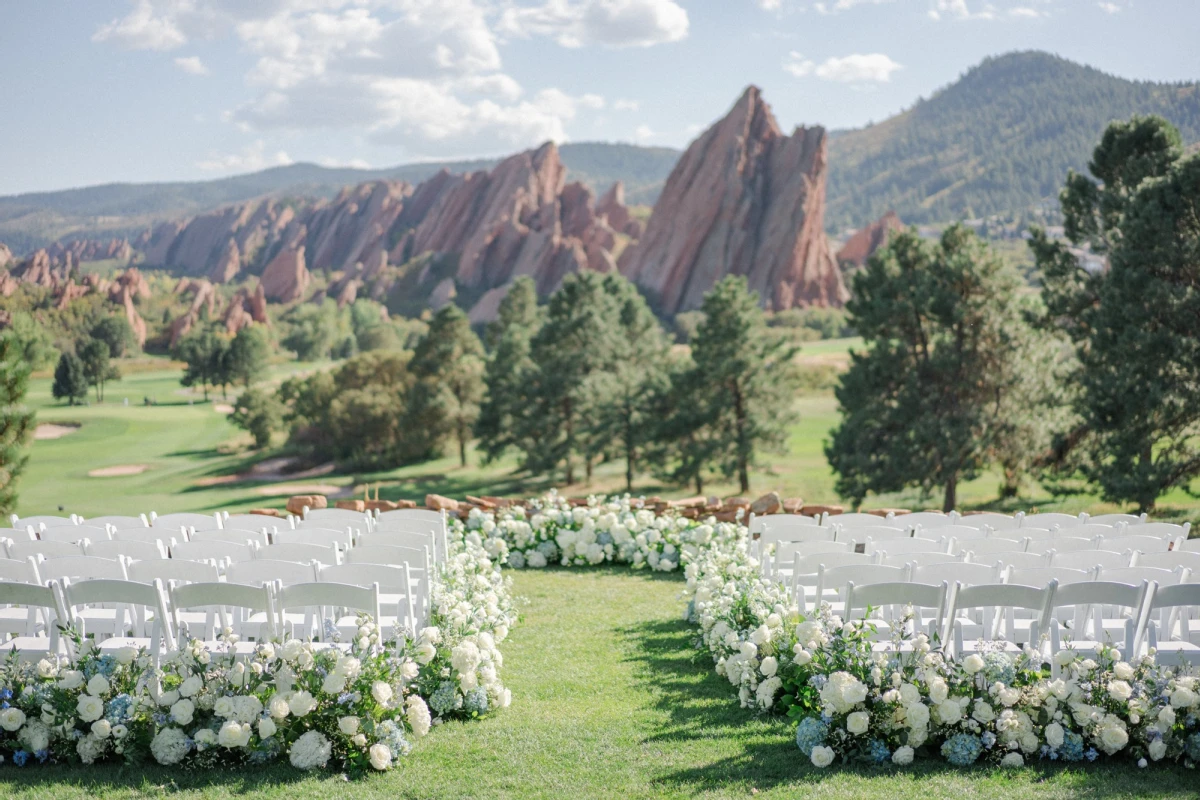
x=248, y=354
x=1134, y=323
x=260, y=413
x=924, y=405
x=448, y=364
x=509, y=371
x=16, y=419
x=70, y=382
x=97, y=365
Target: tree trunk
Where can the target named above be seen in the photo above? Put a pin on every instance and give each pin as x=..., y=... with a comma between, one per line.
x=743, y=447
x=570, y=471
x=699, y=484
x=951, y=494
x=1012, y=483
x=462, y=446
x=587, y=470
x=629, y=470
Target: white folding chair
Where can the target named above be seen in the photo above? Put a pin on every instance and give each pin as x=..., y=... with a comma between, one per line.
x=416, y=558
x=918, y=559
x=173, y=570
x=44, y=602
x=1090, y=559
x=895, y=547
x=253, y=522
x=795, y=533
x=140, y=620
x=1164, y=530
x=997, y=604
x=262, y=572
x=146, y=535
x=1117, y=519
x=173, y=522
x=17, y=620
x=419, y=521
x=989, y=519
x=339, y=517
x=75, y=533
x=832, y=581
x=221, y=552
x=805, y=568
x=1171, y=634
x=1090, y=623
x=395, y=538
x=1163, y=577
x=981, y=547
x=1040, y=576
x=1189, y=546
x=1173, y=560
x=119, y=522
x=343, y=539
x=302, y=552
x=1144, y=544
x=966, y=574
x=115, y=549
x=17, y=534
x=759, y=523
x=961, y=533
x=856, y=518
x=42, y=522
x=1051, y=520
x=859, y=534
x=402, y=594
x=324, y=604
x=222, y=535
x=249, y=611
x=891, y=602
x=1090, y=530
x=928, y=519
x=24, y=548
x=1062, y=544
x=81, y=568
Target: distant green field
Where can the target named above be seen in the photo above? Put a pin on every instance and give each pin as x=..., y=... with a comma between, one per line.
x=193, y=457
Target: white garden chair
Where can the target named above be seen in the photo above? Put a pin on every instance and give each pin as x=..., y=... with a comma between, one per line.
x=832, y=581
x=174, y=571
x=1091, y=559
x=1051, y=520
x=966, y=574
x=140, y=621
x=911, y=545
x=1189, y=546
x=42, y=522
x=988, y=546
x=1089, y=619
x=997, y=604
x=43, y=602
x=82, y=568
x=808, y=533
x=118, y=522
x=890, y=603
x=1163, y=577
x=1173, y=560
x=146, y=535
x=17, y=534
x=402, y=595
x=302, y=552
x=856, y=518
x=253, y=522
x=336, y=518
x=249, y=611
x=23, y=549
x=399, y=539
x=173, y=522
x=14, y=619
x=989, y=519
x=1063, y=544
x=1165, y=530
x=961, y=533
x=918, y=559
x=417, y=521
x=343, y=539
x=1117, y=519
x=1171, y=633
x=222, y=535
x=1144, y=544
x=417, y=558
x=75, y=533
x=1040, y=576
x=879, y=533
x=116, y=549
x=928, y=519
x=1090, y=530
x=261, y=572
x=221, y=552
x=1015, y=558
x=758, y=523
x=324, y=604
x=802, y=576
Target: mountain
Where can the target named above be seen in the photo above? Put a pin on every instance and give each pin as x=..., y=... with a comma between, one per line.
x=29, y=221
x=999, y=139
x=745, y=199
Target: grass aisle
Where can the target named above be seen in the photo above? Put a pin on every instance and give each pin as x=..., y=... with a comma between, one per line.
x=608, y=702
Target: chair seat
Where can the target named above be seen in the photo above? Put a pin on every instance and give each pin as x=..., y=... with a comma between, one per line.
x=29, y=648
x=1177, y=653
x=115, y=643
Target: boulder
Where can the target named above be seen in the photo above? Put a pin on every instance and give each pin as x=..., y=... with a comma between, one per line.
x=815, y=510
x=744, y=199
x=6, y=256
x=265, y=512
x=297, y=503
x=439, y=503
x=792, y=505
x=769, y=503
x=352, y=505
x=865, y=241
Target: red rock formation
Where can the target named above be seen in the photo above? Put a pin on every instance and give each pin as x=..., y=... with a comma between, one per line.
x=745, y=199
x=135, y=319
x=227, y=265
x=79, y=250
x=859, y=247
x=286, y=278
x=6, y=256
x=258, y=305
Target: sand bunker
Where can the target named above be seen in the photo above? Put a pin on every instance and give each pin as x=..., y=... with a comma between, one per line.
x=223, y=408
x=302, y=488
x=48, y=430
x=119, y=470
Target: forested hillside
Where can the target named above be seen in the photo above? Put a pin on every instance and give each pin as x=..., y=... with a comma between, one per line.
x=999, y=139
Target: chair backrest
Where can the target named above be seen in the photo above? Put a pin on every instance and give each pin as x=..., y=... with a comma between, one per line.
x=139, y=606
x=989, y=519
x=926, y=519
x=1092, y=600
x=795, y=533
x=173, y=522
x=43, y=521
x=409, y=514
x=1061, y=544
x=17, y=534
x=113, y=548
x=312, y=535
x=836, y=579
x=396, y=539
x=45, y=599
x=1015, y=558
x=390, y=579
x=894, y=598
x=963, y=533
x=1163, y=577
x=75, y=533
x=146, y=535
x=810, y=564
x=19, y=570
x=1090, y=559
x=1170, y=600
x=174, y=570
x=321, y=602
x=1040, y=576
x=261, y=572
x=1050, y=520
x=1189, y=545
x=118, y=522
x=1172, y=560
x=861, y=533
x=236, y=536
x=25, y=548
x=1090, y=530
x=253, y=522
x=338, y=517
x=1116, y=519
x=760, y=523
x=918, y=559
x=1165, y=530
x=78, y=568
x=989, y=545
x=966, y=574
x=418, y=521
x=998, y=600
x=785, y=552
x=302, y=552
x=912, y=545
x=1145, y=544
x=220, y=551
x=388, y=554
x=228, y=604
x=857, y=518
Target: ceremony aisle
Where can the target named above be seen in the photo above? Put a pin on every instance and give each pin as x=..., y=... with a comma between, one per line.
x=610, y=700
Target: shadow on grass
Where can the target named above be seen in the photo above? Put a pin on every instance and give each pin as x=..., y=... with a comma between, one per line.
x=146, y=779
x=698, y=706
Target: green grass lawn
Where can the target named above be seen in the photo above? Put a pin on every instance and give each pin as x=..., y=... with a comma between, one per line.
x=609, y=700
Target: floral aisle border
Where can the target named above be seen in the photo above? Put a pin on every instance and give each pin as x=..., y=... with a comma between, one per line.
x=851, y=703
x=357, y=708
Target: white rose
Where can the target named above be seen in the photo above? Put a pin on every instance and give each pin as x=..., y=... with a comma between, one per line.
x=425, y=653
x=191, y=686
x=1167, y=716
x=1183, y=697
x=224, y=707
x=1012, y=760
x=769, y=666
x=234, y=734
x=334, y=683
x=909, y=694
x=1157, y=749
x=11, y=719
x=917, y=715
x=348, y=725
x=98, y=685
x=301, y=703
x=983, y=712
x=938, y=691
x=858, y=722
x=800, y=655
x=182, y=711
x=1123, y=670
x=70, y=679
x=101, y=729
x=973, y=663
x=1054, y=735
x=47, y=668
x=125, y=655
x=119, y=731
x=381, y=756
x=266, y=728
x=903, y=756
x=292, y=649
x=1120, y=690
x=89, y=707
x=1113, y=736
x=382, y=692
x=278, y=707
x=949, y=712
x=206, y=738
x=822, y=756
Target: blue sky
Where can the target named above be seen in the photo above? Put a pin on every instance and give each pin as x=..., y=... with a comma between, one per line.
x=152, y=90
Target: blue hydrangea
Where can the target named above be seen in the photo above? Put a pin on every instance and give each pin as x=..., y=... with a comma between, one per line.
x=476, y=701
x=20, y=758
x=516, y=559
x=962, y=749
x=42, y=755
x=817, y=681
x=549, y=550
x=331, y=632
x=880, y=753
x=445, y=699
x=1091, y=754
x=998, y=666
x=6, y=693
x=117, y=710
x=1072, y=747
x=811, y=733
x=988, y=739
x=1192, y=747
x=390, y=733
x=604, y=538
x=348, y=697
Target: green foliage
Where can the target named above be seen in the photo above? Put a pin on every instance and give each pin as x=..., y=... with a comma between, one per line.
x=685, y=325
x=997, y=140
x=36, y=342
x=821, y=323
x=448, y=364
x=734, y=402
x=1134, y=324
x=509, y=371
x=248, y=354
x=97, y=365
x=925, y=404
x=116, y=332
x=205, y=353
x=16, y=419
x=313, y=330
x=70, y=380
x=260, y=413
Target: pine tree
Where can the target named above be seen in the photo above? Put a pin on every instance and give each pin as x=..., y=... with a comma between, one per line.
x=16, y=419
x=924, y=405
x=735, y=403
x=70, y=382
x=509, y=371
x=248, y=354
x=448, y=364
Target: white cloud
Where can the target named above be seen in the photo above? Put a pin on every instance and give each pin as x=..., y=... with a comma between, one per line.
x=424, y=74
x=192, y=65
x=957, y=9
x=353, y=163
x=854, y=68
x=252, y=158
x=643, y=134
x=622, y=104
x=1110, y=8
x=845, y=5
x=769, y=5
x=1026, y=12
x=611, y=23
